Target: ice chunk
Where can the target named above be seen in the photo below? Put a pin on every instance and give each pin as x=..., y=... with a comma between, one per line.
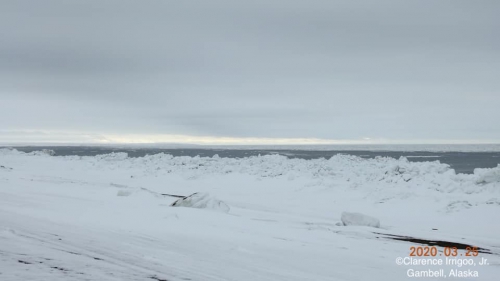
x=113, y=156
x=43, y=152
x=359, y=219
x=123, y=193
x=201, y=201
x=487, y=175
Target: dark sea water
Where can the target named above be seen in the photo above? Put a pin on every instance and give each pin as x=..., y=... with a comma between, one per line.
x=462, y=162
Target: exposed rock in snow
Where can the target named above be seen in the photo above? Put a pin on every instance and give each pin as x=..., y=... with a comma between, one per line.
x=359, y=219
x=202, y=201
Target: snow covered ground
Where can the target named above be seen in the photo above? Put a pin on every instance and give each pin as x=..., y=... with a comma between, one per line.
x=105, y=218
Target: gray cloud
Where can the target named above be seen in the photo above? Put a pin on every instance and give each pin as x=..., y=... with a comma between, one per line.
x=289, y=69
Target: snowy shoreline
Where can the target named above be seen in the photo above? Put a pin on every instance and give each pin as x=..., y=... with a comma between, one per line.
x=101, y=217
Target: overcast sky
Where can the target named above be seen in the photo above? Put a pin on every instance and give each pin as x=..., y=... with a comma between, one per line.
x=259, y=71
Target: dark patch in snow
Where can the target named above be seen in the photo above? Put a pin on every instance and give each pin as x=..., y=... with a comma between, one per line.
x=59, y=268
x=73, y=253
x=157, y=278
x=439, y=243
x=54, y=267
x=78, y=254
x=178, y=202
x=493, y=201
x=172, y=195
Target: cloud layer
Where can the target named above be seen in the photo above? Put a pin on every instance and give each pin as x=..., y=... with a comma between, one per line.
x=330, y=70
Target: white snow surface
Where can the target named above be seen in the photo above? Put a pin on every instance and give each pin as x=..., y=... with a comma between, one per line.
x=359, y=219
x=61, y=218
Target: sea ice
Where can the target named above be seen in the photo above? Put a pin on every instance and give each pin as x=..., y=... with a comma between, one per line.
x=69, y=217
x=487, y=175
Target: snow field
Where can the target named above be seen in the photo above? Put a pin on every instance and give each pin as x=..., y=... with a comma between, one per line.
x=104, y=218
